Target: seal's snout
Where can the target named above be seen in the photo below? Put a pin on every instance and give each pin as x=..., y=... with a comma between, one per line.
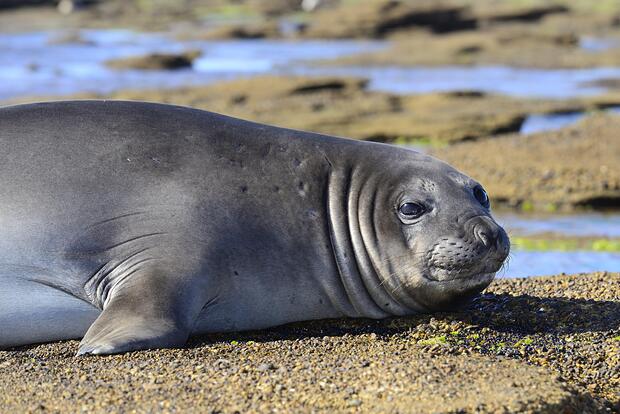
x=481, y=249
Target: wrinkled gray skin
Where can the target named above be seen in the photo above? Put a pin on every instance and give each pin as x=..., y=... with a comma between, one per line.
x=134, y=225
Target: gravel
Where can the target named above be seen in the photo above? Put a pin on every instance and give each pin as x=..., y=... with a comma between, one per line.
x=549, y=344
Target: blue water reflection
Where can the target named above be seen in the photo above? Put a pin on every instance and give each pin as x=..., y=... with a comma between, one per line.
x=526, y=263
x=576, y=225
x=34, y=64
x=41, y=64
x=534, y=263
x=550, y=122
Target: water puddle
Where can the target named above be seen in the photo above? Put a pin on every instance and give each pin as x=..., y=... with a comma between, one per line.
x=524, y=264
x=551, y=122
x=577, y=225
x=519, y=82
x=42, y=64
x=597, y=44
x=34, y=64
x=534, y=263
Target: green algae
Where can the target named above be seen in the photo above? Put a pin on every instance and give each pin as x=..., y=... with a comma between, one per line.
x=527, y=206
x=566, y=244
x=524, y=342
x=425, y=142
x=435, y=340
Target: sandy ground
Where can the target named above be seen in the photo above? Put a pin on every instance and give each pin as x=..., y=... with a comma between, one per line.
x=527, y=345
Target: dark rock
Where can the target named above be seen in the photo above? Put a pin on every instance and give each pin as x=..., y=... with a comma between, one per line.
x=532, y=14
x=156, y=61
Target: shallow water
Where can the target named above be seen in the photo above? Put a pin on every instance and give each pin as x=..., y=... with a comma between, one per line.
x=550, y=122
x=34, y=64
x=597, y=44
x=520, y=82
x=524, y=264
x=575, y=225
x=535, y=263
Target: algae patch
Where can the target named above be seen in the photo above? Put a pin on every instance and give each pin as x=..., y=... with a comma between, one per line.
x=566, y=244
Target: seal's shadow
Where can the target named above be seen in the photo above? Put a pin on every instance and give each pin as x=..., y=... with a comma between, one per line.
x=521, y=315
x=525, y=314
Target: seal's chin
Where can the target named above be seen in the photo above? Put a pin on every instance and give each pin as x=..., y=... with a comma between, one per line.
x=450, y=294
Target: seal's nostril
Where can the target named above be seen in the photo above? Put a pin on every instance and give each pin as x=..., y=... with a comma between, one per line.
x=484, y=236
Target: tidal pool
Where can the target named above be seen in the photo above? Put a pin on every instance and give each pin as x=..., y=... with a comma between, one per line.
x=524, y=264
x=597, y=44
x=534, y=263
x=550, y=122
x=579, y=225
x=519, y=82
x=45, y=63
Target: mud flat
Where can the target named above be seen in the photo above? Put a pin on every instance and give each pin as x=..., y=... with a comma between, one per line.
x=549, y=344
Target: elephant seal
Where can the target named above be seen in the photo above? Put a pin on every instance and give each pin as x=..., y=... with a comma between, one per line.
x=134, y=224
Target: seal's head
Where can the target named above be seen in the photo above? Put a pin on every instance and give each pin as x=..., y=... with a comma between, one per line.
x=430, y=235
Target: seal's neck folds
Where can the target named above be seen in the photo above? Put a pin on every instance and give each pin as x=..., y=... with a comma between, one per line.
x=350, y=203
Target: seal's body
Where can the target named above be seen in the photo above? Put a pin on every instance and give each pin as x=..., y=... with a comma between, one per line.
x=136, y=224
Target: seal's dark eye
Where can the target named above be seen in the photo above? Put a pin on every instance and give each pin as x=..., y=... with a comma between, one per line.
x=411, y=210
x=481, y=196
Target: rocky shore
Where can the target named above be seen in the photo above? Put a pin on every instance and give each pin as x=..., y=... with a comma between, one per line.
x=482, y=32
x=538, y=345
x=575, y=166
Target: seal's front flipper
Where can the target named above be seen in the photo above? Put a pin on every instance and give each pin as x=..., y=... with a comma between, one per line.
x=115, y=332
x=148, y=311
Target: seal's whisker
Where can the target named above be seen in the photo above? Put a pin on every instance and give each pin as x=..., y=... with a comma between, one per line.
x=506, y=265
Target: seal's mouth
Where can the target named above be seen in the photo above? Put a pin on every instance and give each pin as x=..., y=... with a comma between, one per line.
x=469, y=271
x=463, y=279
